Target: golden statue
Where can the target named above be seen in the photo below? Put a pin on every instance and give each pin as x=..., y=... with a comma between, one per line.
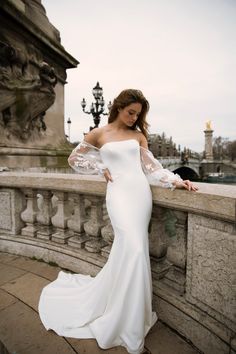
x=208, y=125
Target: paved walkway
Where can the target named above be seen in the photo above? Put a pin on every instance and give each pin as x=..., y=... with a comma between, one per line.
x=21, y=331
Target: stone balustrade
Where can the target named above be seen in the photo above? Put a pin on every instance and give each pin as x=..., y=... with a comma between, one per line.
x=62, y=218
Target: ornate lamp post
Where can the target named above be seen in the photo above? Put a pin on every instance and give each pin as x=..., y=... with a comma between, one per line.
x=97, y=108
x=68, y=123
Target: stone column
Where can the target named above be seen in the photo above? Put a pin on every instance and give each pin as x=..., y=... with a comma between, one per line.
x=77, y=220
x=12, y=203
x=30, y=213
x=107, y=233
x=208, y=143
x=176, y=252
x=158, y=243
x=108, y=236
x=94, y=225
x=44, y=215
x=59, y=220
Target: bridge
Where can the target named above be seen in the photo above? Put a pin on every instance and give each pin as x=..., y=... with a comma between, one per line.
x=190, y=169
x=195, y=168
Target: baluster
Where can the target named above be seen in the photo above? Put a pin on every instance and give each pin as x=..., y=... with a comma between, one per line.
x=30, y=213
x=59, y=220
x=93, y=226
x=107, y=234
x=158, y=243
x=44, y=216
x=177, y=253
x=77, y=220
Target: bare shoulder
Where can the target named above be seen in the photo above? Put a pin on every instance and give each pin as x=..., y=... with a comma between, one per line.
x=93, y=136
x=142, y=139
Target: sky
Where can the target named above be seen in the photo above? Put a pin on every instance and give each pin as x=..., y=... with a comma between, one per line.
x=180, y=53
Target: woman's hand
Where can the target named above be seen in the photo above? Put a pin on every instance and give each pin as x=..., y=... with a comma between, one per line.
x=186, y=184
x=107, y=175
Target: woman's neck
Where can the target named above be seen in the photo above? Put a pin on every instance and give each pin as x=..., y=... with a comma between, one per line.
x=120, y=126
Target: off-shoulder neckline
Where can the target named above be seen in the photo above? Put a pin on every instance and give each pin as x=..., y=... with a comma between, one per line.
x=111, y=142
x=118, y=141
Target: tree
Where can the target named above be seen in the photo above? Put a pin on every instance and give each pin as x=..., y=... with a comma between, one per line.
x=232, y=150
x=224, y=149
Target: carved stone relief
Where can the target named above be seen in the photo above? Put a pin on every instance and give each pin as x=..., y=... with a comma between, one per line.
x=26, y=92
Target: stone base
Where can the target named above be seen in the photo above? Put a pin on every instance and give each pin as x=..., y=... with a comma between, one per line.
x=78, y=241
x=45, y=232
x=105, y=251
x=61, y=236
x=30, y=230
x=160, y=268
x=175, y=278
x=24, y=159
x=95, y=246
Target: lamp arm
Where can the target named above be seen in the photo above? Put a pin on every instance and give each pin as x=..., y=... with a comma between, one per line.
x=87, y=112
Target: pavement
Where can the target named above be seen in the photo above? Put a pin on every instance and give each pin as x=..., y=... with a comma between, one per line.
x=21, y=331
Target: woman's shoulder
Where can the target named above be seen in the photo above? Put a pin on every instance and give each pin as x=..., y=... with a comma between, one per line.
x=140, y=137
x=94, y=136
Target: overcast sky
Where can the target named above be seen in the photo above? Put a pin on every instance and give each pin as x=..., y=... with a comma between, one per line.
x=180, y=53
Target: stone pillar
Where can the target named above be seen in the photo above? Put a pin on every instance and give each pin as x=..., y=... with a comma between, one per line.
x=94, y=225
x=44, y=216
x=30, y=213
x=208, y=142
x=12, y=203
x=59, y=220
x=158, y=243
x=76, y=222
x=108, y=236
x=176, y=252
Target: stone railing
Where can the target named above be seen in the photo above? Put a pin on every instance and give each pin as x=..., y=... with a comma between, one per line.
x=62, y=218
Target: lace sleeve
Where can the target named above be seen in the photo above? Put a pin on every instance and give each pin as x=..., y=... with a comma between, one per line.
x=85, y=159
x=156, y=174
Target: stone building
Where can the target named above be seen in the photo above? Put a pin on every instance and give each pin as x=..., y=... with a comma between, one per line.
x=162, y=146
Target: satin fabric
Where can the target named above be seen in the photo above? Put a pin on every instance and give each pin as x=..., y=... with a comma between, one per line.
x=115, y=307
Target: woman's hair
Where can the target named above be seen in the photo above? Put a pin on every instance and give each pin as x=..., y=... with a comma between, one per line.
x=124, y=99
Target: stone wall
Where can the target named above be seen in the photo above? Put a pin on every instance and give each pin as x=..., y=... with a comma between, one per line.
x=62, y=218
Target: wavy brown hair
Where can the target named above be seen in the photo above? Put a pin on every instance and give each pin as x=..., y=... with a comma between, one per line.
x=124, y=99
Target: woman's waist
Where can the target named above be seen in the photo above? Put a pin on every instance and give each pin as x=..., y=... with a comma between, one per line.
x=126, y=173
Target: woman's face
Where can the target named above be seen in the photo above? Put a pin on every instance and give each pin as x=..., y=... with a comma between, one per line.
x=129, y=114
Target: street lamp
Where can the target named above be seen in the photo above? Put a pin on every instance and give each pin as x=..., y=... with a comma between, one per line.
x=68, y=123
x=97, y=107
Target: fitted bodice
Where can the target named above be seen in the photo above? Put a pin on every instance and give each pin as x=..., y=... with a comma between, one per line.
x=122, y=157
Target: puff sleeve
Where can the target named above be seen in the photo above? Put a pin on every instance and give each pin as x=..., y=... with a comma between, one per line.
x=85, y=159
x=154, y=171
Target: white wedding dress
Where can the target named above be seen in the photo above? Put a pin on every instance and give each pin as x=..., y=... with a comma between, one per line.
x=115, y=307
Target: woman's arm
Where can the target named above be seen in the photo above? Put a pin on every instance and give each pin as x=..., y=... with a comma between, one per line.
x=85, y=158
x=155, y=172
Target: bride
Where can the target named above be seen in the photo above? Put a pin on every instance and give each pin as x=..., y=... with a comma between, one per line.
x=115, y=307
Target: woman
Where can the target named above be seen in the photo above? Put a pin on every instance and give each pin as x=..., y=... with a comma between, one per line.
x=115, y=307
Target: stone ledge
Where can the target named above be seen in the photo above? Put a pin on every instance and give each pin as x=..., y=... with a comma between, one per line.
x=217, y=201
